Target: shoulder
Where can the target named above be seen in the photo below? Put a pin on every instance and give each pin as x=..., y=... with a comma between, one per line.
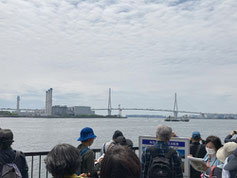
x=19, y=153
x=19, y=156
x=89, y=153
x=150, y=149
x=80, y=146
x=219, y=164
x=205, y=159
x=147, y=152
x=173, y=153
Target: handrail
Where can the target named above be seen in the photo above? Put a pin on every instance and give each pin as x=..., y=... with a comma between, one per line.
x=35, y=161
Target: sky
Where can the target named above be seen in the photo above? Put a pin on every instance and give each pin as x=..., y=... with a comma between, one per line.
x=144, y=50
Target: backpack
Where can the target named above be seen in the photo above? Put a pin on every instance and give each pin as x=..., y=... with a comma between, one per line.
x=160, y=166
x=83, y=152
x=10, y=170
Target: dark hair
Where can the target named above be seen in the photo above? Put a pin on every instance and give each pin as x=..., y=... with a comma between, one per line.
x=117, y=133
x=215, y=140
x=120, y=161
x=129, y=143
x=6, y=139
x=120, y=140
x=63, y=159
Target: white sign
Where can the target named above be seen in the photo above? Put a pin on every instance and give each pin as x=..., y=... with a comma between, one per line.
x=181, y=145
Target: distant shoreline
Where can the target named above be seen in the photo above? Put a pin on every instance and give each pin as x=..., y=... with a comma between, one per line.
x=55, y=117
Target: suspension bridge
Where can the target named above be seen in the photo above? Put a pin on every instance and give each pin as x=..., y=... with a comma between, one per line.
x=109, y=109
x=120, y=109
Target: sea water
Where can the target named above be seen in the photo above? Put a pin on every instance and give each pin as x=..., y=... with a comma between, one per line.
x=41, y=134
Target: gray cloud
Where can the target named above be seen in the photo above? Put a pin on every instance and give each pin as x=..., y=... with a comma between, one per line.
x=149, y=48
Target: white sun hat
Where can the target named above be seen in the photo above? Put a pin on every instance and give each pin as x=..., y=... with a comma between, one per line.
x=226, y=150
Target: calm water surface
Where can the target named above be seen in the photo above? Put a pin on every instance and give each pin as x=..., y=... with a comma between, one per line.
x=41, y=134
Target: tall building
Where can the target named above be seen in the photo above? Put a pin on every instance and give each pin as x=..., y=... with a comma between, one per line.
x=49, y=102
x=18, y=104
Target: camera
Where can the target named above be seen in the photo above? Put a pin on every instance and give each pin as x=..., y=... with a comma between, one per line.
x=235, y=132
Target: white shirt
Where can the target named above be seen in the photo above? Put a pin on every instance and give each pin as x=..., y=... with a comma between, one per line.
x=225, y=173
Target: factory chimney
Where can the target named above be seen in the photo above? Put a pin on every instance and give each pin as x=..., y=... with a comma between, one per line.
x=49, y=102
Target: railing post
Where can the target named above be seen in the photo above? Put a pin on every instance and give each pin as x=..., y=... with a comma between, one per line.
x=32, y=166
x=39, y=166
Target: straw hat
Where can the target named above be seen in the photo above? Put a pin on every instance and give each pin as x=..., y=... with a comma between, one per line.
x=226, y=150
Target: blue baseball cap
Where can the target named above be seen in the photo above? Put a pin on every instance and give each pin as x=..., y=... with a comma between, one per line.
x=86, y=134
x=196, y=135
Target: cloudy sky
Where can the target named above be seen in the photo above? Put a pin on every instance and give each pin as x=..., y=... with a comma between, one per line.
x=145, y=50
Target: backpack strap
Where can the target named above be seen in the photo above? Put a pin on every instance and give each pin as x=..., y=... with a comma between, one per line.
x=152, y=150
x=18, y=153
x=83, y=152
x=170, y=153
x=212, y=170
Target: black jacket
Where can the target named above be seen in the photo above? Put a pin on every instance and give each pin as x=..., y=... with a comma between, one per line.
x=193, y=151
x=9, y=155
x=228, y=138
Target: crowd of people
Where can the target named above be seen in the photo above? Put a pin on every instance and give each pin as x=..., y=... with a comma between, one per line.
x=118, y=159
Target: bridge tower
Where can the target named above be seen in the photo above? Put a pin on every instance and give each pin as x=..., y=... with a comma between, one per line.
x=120, y=111
x=109, y=103
x=175, y=107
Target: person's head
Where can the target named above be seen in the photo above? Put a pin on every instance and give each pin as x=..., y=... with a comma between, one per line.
x=63, y=159
x=120, y=140
x=129, y=143
x=213, y=143
x=120, y=161
x=6, y=139
x=163, y=133
x=196, y=136
x=87, y=136
x=226, y=150
x=116, y=134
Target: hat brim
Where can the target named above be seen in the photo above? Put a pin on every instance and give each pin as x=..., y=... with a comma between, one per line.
x=86, y=138
x=220, y=154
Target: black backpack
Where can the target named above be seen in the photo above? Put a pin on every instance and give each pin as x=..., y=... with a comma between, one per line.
x=160, y=166
x=10, y=170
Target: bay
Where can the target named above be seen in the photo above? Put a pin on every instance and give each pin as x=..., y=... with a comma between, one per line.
x=42, y=134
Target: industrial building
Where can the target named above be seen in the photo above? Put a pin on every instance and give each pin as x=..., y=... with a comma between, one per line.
x=59, y=110
x=82, y=110
x=64, y=111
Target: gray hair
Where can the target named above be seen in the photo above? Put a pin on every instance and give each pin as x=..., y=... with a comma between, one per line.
x=163, y=132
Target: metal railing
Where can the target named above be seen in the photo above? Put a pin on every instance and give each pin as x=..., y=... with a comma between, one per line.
x=36, y=164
